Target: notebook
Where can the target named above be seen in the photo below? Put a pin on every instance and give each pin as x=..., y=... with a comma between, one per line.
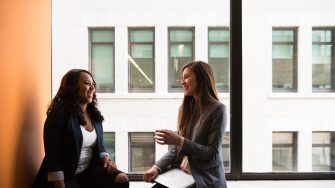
x=175, y=178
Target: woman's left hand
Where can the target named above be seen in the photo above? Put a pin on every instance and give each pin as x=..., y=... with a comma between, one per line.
x=164, y=136
x=109, y=164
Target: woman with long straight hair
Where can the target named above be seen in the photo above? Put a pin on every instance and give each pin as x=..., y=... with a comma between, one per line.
x=196, y=147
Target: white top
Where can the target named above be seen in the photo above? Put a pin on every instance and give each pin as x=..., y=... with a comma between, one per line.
x=89, y=141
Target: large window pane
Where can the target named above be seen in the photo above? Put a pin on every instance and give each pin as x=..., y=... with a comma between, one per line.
x=142, y=151
x=109, y=142
x=284, y=66
x=102, y=59
x=226, y=152
x=323, y=59
x=284, y=151
x=323, y=151
x=181, y=52
x=141, y=60
x=218, y=49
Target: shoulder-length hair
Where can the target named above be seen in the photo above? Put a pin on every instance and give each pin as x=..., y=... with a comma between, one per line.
x=67, y=96
x=205, y=90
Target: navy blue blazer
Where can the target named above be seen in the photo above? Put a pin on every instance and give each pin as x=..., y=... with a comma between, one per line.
x=62, y=145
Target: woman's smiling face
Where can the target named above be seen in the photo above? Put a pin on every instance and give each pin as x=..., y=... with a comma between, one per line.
x=86, y=88
x=189, y=82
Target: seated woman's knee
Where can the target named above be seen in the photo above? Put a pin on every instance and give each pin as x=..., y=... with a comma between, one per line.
x=121, y=178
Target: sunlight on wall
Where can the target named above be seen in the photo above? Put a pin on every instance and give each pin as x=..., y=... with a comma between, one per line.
x=25, y=82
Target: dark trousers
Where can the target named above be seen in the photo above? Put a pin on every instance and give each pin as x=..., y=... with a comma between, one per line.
x=95, y=176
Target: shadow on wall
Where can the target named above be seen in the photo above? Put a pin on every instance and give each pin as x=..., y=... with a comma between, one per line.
x=25, y=82
x=28, y=150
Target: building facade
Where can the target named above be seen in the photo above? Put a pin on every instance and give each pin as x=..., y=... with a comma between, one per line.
x=136, y=50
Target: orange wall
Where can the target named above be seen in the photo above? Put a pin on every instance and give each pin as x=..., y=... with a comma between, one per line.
x=25, y=87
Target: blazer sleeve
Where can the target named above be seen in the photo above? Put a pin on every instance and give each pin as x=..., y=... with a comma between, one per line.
x=217, y=124
x=168, y=159
x=53, y=143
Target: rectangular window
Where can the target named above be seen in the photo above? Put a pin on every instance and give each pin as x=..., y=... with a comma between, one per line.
x=102, y=59
x=141, y=60
x=284, y=59
x=226, y=152
x=181, y=52
x=323, y=59
x=284, y=151
x=109, y=142
x=218, y=56
x=323, y=151
x=142, y=151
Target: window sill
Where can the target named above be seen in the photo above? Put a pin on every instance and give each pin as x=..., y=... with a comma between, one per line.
x=262, y=184
x=301, y=96
x=148, y=95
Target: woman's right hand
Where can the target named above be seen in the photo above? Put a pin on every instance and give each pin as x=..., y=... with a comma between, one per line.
x=151, y=174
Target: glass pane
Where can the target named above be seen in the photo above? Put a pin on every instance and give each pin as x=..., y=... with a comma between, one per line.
x=141, y=51
x=181, y=50
x=321, y=65
x=141, y=73
x=282, y=51
x=103, y=36
x=282, y=36
x=109, y=142
x=219, y=51
x=103, y=67
x=142, y=151
x=218, y=35
x=226, y=152
x=181, y=36
x=322, y=36
x=323, y=154
x=283, y=152
x=141, y=36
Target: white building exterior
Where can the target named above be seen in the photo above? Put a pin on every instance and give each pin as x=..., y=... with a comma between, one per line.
x=264, y=111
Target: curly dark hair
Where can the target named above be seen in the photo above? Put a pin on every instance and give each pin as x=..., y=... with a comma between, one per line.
x=67, y=97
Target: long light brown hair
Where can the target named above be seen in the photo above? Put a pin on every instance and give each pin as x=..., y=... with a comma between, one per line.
x=205, y=90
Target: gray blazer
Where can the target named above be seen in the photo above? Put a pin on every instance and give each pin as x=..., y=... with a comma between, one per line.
x=204, y=149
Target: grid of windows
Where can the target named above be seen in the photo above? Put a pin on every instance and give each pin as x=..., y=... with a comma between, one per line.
x=181, y=52
x=323, y=151
x=284, y=59
x=284, y=151
x=102, y=59
x=323, y=59
x=109, y=142
x=141, y=60
x=218, y=56
x=142, y=151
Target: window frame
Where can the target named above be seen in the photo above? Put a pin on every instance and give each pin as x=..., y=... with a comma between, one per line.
x=134, y=174
x=223, y=28
x=295, y=58
x=144, y=90
x=332, y=64
x=236, y=101
x=293, y=145
x=90, y=30
x=173, y=28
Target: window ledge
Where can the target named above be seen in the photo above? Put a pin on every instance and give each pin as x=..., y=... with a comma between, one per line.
x=262, y=184
x=301, y=96
x=148, y=95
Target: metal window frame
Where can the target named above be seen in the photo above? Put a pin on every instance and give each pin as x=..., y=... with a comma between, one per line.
x=173, y=28
x=90, y=47
x=144, y=90
x=295, y=57
x=332, y=64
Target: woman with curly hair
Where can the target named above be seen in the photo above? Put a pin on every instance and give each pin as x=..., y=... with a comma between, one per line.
x=75, y=156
